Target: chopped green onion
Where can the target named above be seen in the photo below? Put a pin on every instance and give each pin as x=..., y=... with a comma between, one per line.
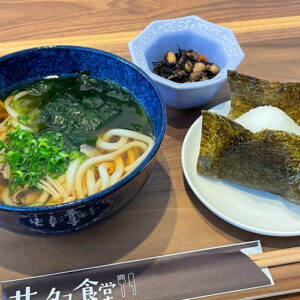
x=32, y=157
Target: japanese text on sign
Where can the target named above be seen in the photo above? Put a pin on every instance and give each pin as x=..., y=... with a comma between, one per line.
x=89, y=290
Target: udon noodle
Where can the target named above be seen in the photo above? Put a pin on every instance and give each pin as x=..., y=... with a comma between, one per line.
x=115, y=153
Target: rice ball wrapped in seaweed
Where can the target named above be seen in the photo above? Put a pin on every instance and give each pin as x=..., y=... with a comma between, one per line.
x=268, y=160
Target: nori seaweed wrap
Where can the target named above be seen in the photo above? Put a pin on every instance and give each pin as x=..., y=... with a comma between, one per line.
x=247, y=92
x=268, y=160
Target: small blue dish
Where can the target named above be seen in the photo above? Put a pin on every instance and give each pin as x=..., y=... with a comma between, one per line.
x=217, y=43
x=36, y=63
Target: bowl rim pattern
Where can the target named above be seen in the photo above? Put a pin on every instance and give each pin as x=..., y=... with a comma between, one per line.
x=138, y=45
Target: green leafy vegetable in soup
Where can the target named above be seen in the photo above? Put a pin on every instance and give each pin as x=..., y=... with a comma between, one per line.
x=62, y=139
x=79, y=107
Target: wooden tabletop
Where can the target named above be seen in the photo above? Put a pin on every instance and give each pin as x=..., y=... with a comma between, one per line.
x=165, y=217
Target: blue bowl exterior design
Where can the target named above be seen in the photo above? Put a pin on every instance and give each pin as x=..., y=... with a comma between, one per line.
x=216, y=42
x=36, y=63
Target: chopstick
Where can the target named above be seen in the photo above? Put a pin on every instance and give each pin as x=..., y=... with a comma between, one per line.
x=277, y=257
x=275, y=294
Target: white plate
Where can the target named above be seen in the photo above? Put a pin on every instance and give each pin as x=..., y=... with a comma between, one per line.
x=246, y=208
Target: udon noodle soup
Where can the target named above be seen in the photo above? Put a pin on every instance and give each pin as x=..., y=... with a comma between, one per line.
x=65, y=138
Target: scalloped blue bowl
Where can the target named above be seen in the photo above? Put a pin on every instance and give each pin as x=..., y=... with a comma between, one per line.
x=36, y=63
x=215, y=42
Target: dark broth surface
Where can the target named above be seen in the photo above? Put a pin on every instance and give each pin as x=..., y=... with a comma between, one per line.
x=79, y=107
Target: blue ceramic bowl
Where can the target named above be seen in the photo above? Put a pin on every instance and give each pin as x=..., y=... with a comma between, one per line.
x=217, y=43
x=37, y=63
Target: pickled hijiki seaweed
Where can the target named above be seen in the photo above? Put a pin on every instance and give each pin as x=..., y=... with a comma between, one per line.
x=185, y=66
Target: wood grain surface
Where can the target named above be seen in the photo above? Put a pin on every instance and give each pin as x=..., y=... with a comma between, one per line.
x=165, y=217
